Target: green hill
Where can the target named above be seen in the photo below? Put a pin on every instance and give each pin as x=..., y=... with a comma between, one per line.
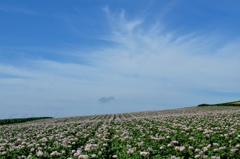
x=20, y=120
x=234, y=103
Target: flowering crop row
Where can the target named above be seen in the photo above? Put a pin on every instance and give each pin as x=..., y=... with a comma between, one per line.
x=195, y=132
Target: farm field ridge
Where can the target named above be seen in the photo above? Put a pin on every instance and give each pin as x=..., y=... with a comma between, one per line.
x=193, y=132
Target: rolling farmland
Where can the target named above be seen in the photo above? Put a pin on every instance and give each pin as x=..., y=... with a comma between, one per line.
x=194, y=132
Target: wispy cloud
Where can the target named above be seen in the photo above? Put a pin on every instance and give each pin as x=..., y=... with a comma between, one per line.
x=7, y=8
x=118, y=22
x=185, y=62
x=146, y=67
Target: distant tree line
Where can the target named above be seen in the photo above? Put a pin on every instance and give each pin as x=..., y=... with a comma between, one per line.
x=221, y=104
x=20, y=120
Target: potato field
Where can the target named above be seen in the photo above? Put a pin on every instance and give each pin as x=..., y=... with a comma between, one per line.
x=193, y=132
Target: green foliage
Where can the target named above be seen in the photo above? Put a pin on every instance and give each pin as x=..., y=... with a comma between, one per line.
x=204, y=104
x=221, y=104
x=20, y=120
x=204, y=132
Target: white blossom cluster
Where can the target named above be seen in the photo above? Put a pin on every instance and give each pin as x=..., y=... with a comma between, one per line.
x=195, y=132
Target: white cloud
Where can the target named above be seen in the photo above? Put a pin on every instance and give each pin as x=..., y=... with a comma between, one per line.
x=146, y=68
x=6, y=8
x=189, y=61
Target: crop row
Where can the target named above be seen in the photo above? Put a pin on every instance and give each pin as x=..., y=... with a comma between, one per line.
x=196, y=132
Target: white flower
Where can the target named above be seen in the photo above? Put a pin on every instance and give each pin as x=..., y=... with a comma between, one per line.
x=191, y=148
x=44, y=139
x=39, y=153
x=215, y=144
x=140, y=144
x=176, y=148
x=197, y=150
x=144, y=153
x=182, y=148
x=205, y=149
x=130, y=151
x=222, y=148
x=233, y=150
x=169, y=145
x=76, y=154
x=215, y=150
x=53, y=153
x=83, y=157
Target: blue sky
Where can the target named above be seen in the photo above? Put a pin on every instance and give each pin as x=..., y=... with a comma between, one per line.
x=69, y=58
